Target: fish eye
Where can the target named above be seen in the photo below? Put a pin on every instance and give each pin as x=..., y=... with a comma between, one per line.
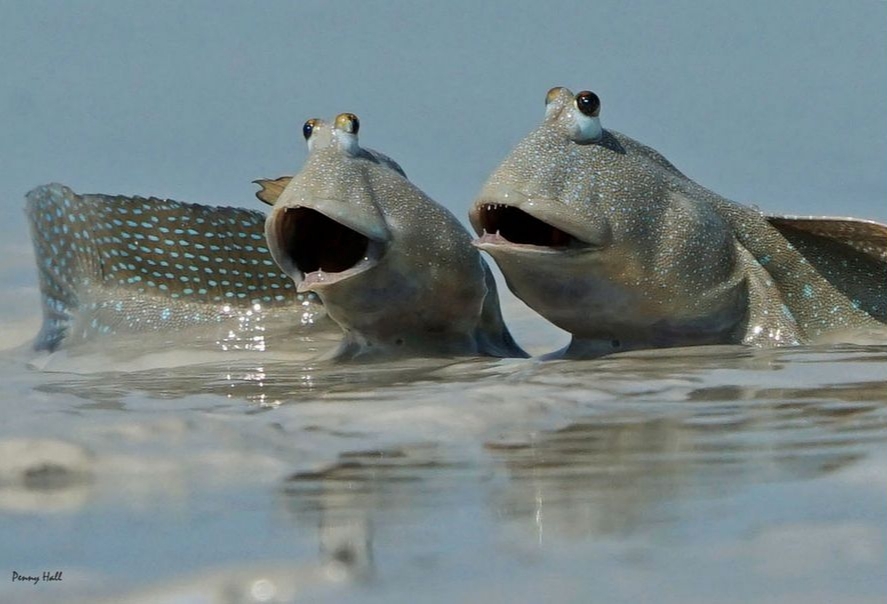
x=588, y=103
x=552, y=94
x=348, y=122
x=308, y=128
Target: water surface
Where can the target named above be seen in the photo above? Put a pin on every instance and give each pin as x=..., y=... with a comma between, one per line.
x=712, y=474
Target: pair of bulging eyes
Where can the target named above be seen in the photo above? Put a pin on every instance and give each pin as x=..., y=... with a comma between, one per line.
x=347, y=122
x=587, y=102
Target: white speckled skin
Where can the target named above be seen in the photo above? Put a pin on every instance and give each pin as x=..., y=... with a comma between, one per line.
x=666, y=262
x=114, y=264
x=423, y=289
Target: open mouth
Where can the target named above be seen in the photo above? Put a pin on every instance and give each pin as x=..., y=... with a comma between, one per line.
x=500, y=222
x=322, y=249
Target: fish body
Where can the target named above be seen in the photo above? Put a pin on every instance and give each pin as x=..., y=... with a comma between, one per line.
x=114, y=264
x=392, y=267
x=604, y=237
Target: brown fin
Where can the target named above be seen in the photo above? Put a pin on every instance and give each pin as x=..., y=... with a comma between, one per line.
x=271, y=189
x=864, y=236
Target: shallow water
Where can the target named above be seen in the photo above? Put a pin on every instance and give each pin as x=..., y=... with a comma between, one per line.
x=711, y=474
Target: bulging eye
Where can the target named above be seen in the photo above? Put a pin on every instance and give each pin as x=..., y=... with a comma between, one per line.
x=552, y=94
x=348, y=122
x=308, y=128
x=588, y=103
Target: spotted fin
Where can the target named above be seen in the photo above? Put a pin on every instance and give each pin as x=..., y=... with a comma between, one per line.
x=146, y=252
x=864, y=236
x=850, y=254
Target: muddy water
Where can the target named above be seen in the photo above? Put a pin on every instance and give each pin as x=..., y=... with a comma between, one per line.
x=182, y=474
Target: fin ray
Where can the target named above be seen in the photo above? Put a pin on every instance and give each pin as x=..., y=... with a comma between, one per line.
x=271, y=188
x=147, y=247
x=864, y=236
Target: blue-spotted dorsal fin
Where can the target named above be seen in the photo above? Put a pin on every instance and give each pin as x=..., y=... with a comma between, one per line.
x=146, y=250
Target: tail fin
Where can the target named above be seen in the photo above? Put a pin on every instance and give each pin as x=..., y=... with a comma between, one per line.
x=151, y=249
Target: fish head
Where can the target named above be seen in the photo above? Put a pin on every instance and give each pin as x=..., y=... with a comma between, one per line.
x=599, y=234
x=326, y=221
x=390, y=265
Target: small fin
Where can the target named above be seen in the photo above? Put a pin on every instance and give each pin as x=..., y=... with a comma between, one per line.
x=271, y=189
x=159, y=252
x=864, y=236
x=492, y=335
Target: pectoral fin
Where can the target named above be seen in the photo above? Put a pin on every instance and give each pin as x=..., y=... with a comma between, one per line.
x=850, y=254
x=492, y=335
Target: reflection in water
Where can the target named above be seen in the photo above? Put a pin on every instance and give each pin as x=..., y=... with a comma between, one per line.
x=584, y=480
x=602, y=478
x=264, y=382
x=43, y=474
x=406, y=467
x=347, y=499
x=627, y=468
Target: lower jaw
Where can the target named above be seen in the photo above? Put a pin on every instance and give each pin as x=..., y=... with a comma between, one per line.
x=505, y=247
x=494, y=243
x=318, y=280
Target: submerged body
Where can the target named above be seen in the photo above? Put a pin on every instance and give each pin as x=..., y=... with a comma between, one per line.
x=608, y=240
x=393, y=268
